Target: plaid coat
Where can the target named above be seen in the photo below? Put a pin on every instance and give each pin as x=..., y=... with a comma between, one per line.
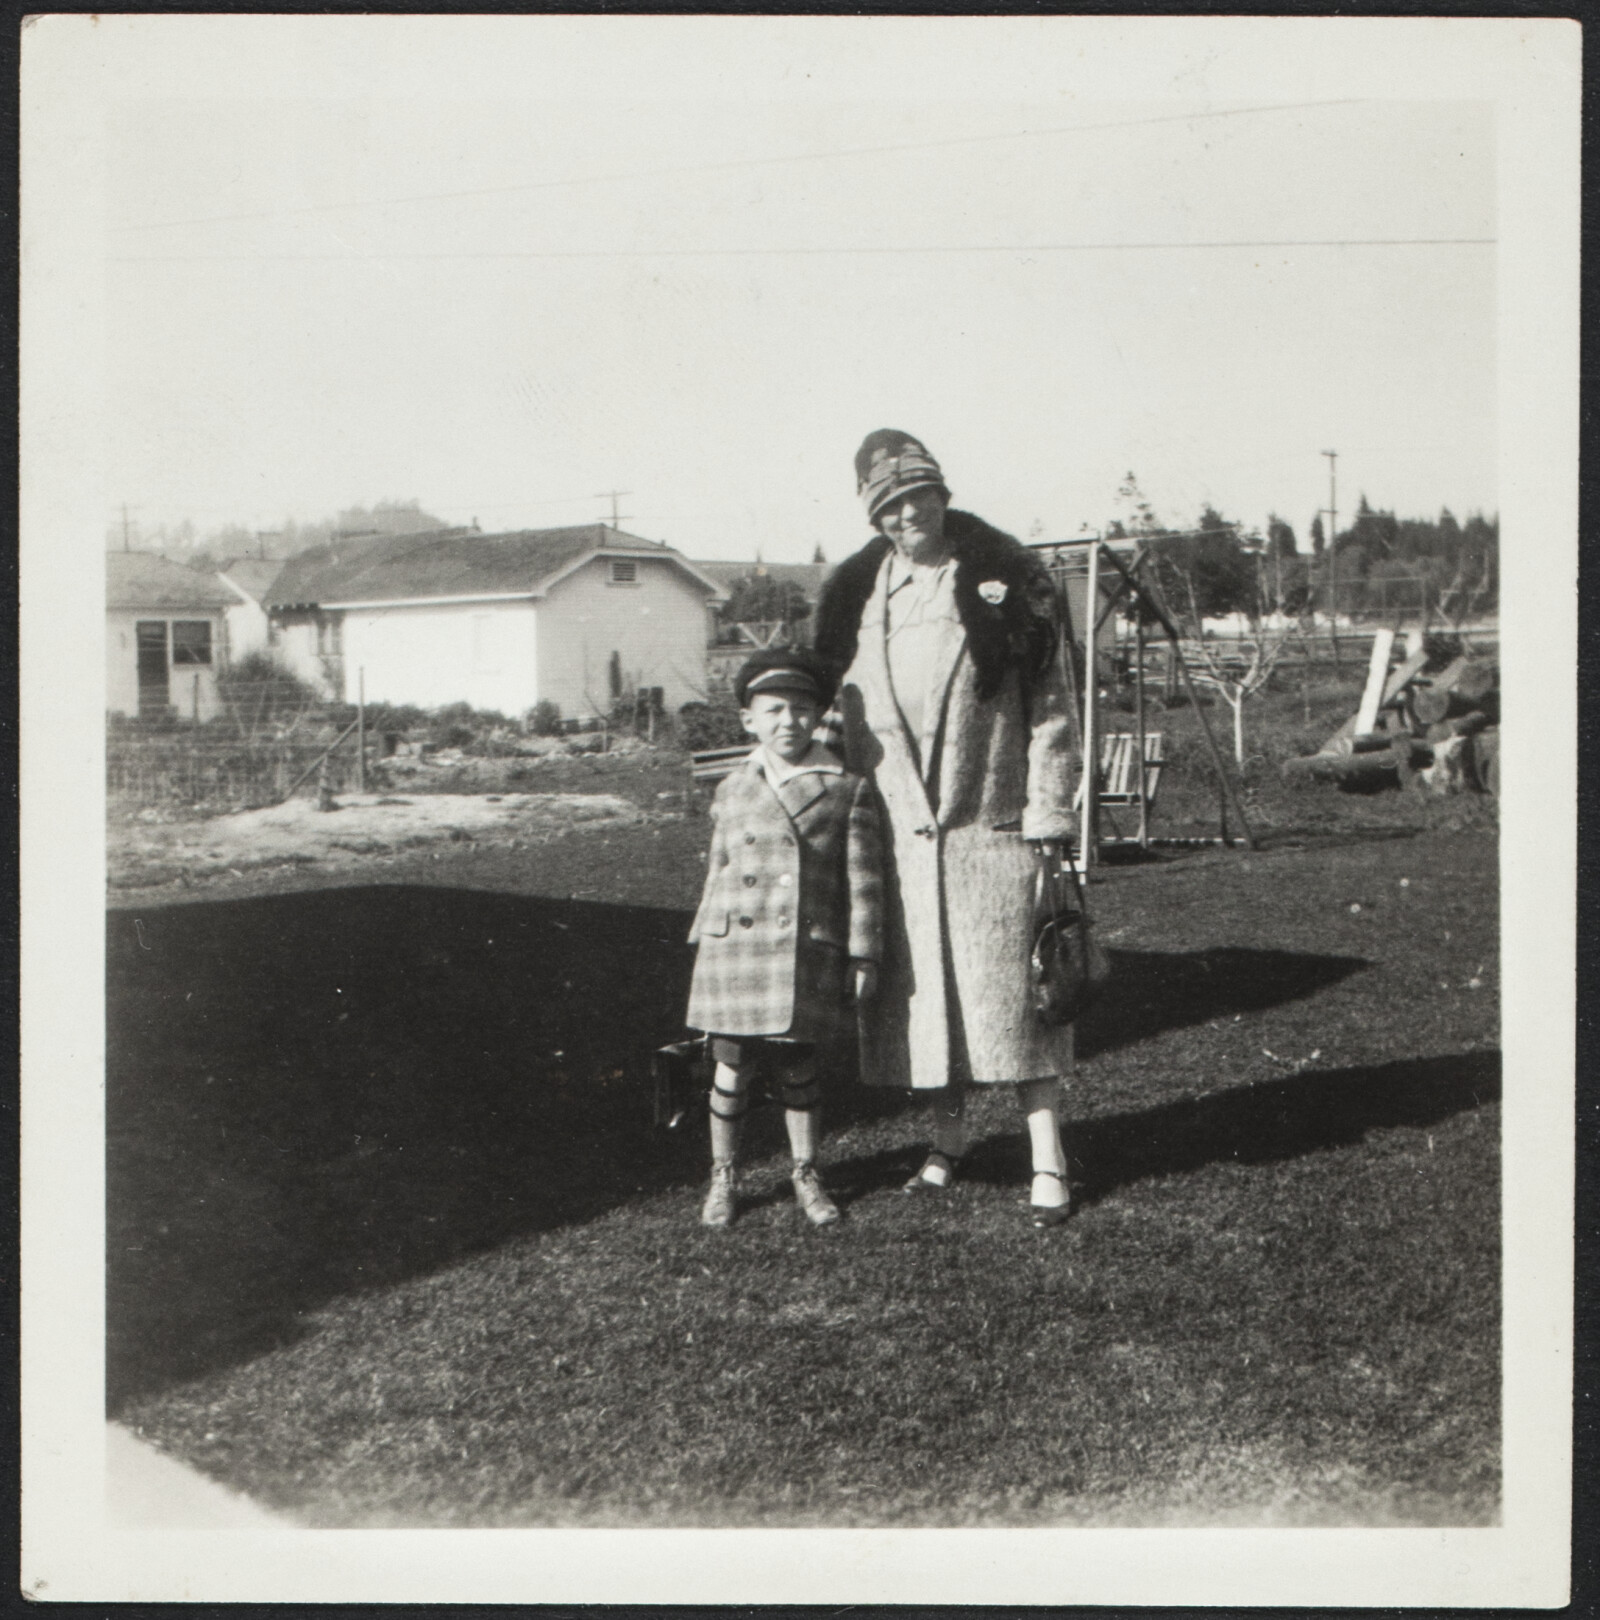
x=793, y=891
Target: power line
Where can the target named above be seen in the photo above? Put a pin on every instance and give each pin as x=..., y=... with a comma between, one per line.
x=740, y=163
x=812, y=252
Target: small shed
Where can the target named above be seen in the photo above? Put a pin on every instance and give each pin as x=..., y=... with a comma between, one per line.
x=166, y=637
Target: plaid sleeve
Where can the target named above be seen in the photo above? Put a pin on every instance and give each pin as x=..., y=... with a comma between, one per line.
x=864, y=861
x=712, y=863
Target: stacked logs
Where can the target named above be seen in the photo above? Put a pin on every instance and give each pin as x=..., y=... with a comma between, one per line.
x=1437, y=733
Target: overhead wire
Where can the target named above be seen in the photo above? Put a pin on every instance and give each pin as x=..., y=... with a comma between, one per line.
x=726, y=164
x=1022, y=248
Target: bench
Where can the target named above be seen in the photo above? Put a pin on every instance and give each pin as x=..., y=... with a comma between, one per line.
x=712, y=764
x=1119, y=786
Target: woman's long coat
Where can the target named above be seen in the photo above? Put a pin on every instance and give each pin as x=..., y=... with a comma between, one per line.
x=999, y=766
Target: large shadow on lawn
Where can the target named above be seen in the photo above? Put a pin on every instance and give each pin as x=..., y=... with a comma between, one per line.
x=1278, y=1119
x=321, y=1092
x=1265, y=1123
x=314, y=1093
x=1153, y=991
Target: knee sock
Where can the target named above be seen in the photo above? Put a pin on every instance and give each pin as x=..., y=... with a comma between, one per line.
x=802, y=1101
x=802, y=1126
x=1040, y=1100
x=729, y=1100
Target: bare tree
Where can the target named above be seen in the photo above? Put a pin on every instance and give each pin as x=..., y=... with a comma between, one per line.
x=1240, y=668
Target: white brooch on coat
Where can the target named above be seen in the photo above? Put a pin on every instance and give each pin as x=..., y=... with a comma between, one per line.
x=993, y=591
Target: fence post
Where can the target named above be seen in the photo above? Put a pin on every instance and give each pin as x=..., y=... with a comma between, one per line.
x=361, y=729
x=1089, y=822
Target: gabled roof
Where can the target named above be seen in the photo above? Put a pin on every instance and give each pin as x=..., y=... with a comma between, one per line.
x=254, y=575
x=140, y=579
x=453, y=565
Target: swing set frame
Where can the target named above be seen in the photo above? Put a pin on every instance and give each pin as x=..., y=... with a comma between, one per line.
x=1133, y=584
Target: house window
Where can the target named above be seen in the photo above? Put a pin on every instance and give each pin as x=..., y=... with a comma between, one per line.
x=191, y=641
x=330, y=637
x=624, y=573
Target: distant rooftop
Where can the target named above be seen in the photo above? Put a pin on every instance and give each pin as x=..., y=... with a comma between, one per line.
x=140, y=579
x=254, y=574
x=450, y=563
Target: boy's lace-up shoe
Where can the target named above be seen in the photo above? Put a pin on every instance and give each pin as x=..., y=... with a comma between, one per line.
x=813, y=1197
x=720, y=1207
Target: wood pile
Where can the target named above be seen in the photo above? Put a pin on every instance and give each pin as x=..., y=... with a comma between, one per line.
x=1435, y=732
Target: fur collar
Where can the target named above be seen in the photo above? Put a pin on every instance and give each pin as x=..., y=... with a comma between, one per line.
x=1018, y=631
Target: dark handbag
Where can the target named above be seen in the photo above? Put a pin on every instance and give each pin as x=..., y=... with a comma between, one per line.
x=1069, y=964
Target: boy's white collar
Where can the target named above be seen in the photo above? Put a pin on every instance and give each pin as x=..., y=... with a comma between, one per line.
x=815, y=758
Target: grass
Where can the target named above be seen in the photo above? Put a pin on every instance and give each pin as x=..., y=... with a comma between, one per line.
x=391, y=1240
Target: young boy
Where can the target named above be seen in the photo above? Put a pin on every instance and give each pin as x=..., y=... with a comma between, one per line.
x=790, y=925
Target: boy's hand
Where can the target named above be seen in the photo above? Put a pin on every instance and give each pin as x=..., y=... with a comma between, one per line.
x=865, y=980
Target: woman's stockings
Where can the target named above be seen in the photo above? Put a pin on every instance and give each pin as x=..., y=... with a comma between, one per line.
x=1040, y=1100
x=949, y=1132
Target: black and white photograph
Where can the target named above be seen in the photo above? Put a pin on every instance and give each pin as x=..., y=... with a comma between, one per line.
x=797, y=820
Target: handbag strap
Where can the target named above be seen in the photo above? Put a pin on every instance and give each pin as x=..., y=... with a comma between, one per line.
x=1047, y=877
x=1077, y=882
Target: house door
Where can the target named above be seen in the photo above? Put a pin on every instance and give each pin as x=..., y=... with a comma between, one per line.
x=151, y=635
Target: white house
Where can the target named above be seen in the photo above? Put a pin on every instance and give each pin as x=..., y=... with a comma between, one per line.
x=575, y=617
x=249, y=629
x=166, y=637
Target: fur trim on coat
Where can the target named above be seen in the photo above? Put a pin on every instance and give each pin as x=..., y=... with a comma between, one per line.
x=1017, y=632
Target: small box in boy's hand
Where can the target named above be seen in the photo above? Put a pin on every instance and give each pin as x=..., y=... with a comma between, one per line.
x=682, y=1071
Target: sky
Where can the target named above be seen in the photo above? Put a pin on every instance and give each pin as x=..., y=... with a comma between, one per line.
x=705, y=297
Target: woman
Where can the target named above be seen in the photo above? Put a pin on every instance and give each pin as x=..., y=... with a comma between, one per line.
x=953, y=701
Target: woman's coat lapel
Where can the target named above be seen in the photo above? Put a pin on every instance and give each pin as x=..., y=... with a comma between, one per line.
x=947, y=658
x=899, y=763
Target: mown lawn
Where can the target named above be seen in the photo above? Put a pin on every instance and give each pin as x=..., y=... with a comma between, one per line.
x=392, y=1240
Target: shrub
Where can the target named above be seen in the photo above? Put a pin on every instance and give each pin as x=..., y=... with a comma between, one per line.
x=258, y=692
x=544, y=719
x=459, y=725
x=400, y=718
x=709, y=725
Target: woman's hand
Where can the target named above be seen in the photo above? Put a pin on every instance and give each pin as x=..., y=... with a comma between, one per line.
x=864, y=979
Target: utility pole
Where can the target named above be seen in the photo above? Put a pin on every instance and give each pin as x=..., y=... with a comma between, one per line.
x=614, y=495
x=1333, y=551
x=126, y=543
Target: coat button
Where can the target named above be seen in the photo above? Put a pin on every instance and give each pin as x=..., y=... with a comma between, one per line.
x=783, y=921
x=749, y=838
x=747, y=922
x=785, y=879
x=749, y=880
